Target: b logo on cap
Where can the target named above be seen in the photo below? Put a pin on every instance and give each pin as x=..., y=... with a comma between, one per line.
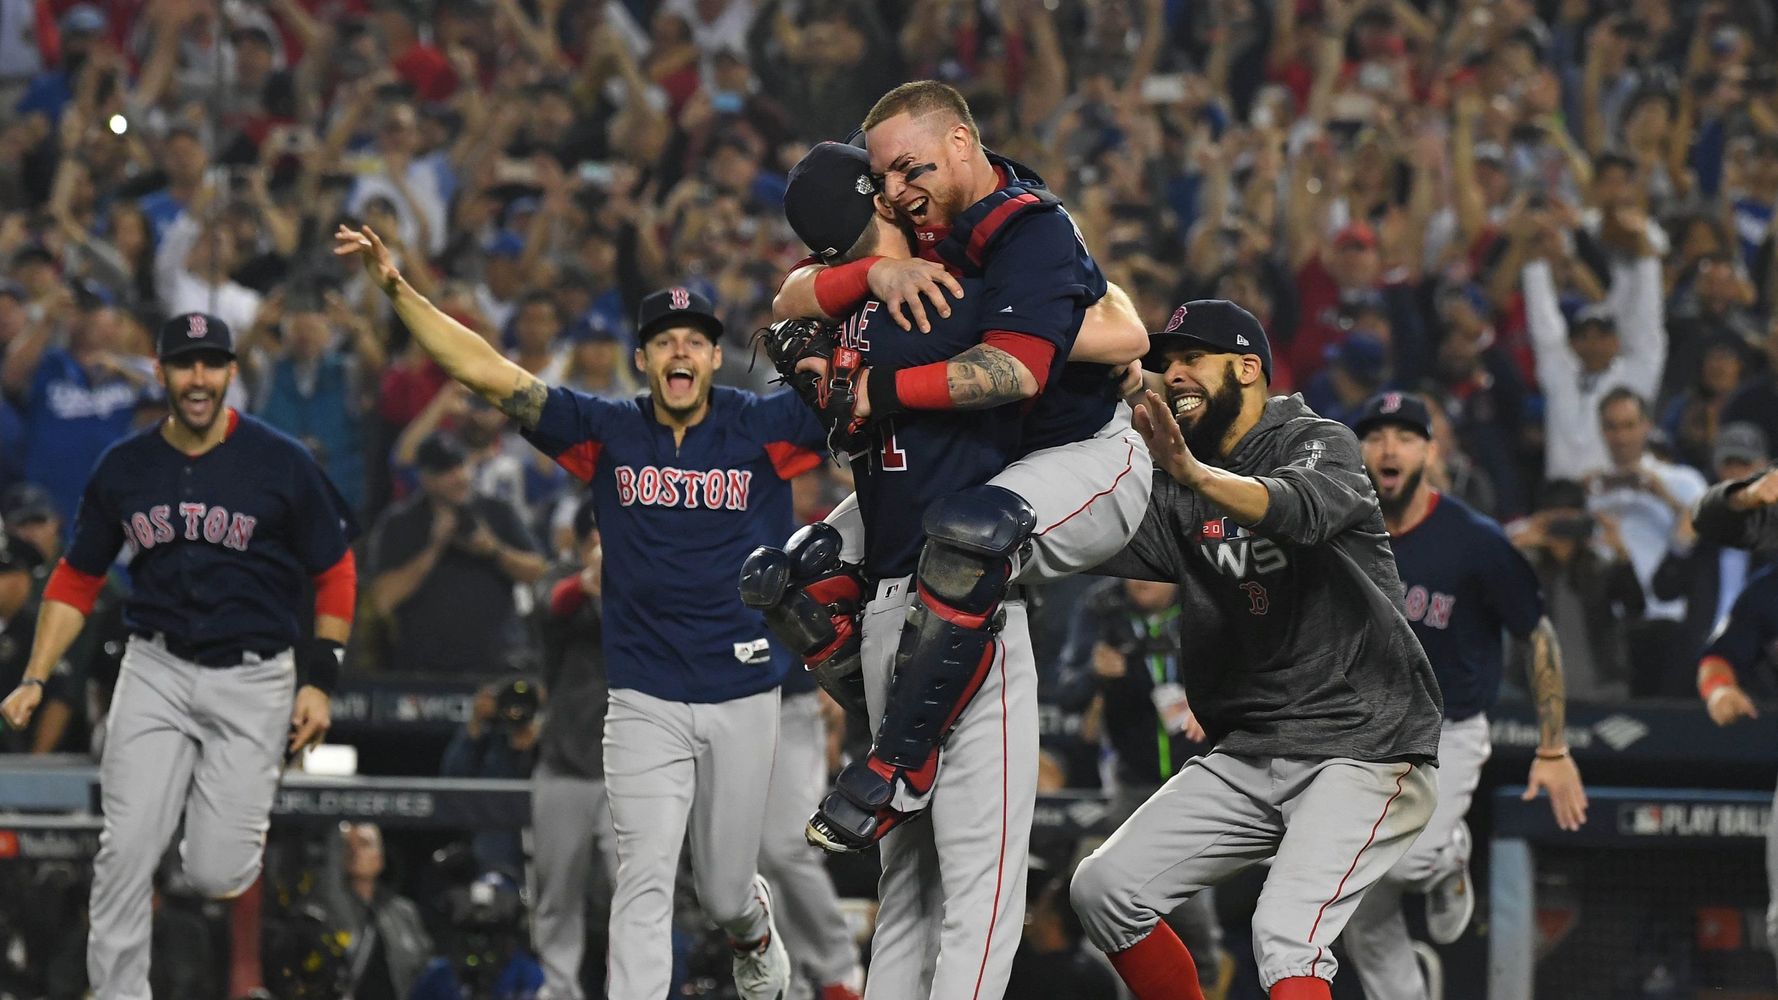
x=679, y=298
x=197, y=326
x=1391, y=402
x=1178, y=318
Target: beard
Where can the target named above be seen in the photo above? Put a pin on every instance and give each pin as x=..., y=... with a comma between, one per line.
x=1204, y=435
x=1395, y=506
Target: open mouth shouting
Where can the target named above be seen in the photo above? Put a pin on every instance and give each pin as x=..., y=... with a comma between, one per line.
x=198, y=405
x=1389, y=479
x=680, y=379
x=917, y=209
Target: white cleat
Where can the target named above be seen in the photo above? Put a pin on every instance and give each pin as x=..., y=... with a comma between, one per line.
x=763, y=973
x=1450, y=902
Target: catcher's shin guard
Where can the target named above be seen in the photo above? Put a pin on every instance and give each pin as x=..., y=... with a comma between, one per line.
x=810, y=601
x=946, y=649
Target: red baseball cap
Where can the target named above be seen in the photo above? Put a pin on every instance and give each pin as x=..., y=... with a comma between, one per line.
x=1359, y=233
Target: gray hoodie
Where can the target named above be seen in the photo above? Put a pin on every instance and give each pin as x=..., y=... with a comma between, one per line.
x=1294, y=640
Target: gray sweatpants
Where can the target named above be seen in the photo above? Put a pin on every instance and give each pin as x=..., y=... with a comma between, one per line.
x=809, y=916
x=1195, y=921
x=570, y=826
x=1331, y=827
x=952, y=893
x=1376, y=940
x=202, y=741
x=671, y=765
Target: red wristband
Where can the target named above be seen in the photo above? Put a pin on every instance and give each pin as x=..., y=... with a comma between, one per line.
x=1708, y=686
x=1714, y=673
x=927, y=387
x=843, y=287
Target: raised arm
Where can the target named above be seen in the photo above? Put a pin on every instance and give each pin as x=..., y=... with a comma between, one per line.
x=460, y=351
x=1637, y=302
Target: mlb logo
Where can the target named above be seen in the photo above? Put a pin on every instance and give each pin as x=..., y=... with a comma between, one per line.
x=1211, y=530
x=1391, y=402
x=197, y=326
x=1178, y=318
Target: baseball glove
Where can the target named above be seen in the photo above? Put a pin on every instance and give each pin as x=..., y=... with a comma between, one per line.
x=833, y=395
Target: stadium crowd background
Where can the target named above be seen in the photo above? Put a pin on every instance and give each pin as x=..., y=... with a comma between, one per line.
x=1373, y=180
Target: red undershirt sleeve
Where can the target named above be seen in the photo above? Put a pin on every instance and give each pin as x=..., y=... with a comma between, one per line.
x=336, y=588
x=72, y=587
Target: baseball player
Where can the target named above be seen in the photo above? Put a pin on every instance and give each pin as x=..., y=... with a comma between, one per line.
x=1320, y=707
x=1073, y=497
x=686, y=479
x=931, y=462
x=1465, y=584
x=1743, y=513
x=228, y=521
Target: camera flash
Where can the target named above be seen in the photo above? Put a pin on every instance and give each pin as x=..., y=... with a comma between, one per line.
x=118, y=125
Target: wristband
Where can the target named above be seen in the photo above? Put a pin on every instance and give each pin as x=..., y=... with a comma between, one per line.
x=1714, y=674
x=844, y=287
x=1543, y=754
x=927, y=387
x=880, y=391
x=318, y=664
x=31, y=682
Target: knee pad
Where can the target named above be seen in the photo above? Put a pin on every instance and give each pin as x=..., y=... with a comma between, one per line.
x=972, y=538
x=810, y=601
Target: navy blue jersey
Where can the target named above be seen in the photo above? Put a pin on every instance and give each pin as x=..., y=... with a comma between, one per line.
x=1038, y=279
x=1463, y=583
x=923, y=454
x=677, y=522
x=224, y=544
x=1749, y=636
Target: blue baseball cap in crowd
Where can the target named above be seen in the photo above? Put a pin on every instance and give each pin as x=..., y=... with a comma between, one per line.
x=1218, y=325
x=1403, y=409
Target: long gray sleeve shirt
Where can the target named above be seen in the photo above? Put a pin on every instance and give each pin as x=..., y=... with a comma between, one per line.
x=1755, y=529
x=1294, y=642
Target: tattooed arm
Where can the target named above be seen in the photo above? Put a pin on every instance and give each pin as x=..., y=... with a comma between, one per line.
x=1548, y=690
x=984, y=377
x=464, y=354
x=1553, y=767
x=980, y=378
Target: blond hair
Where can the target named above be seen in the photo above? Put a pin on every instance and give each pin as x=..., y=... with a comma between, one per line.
x=921, y=98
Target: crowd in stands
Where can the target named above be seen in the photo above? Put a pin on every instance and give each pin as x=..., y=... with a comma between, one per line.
x=1556, y=219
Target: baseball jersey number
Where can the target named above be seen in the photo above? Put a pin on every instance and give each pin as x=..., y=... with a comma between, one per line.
x=894, y=459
